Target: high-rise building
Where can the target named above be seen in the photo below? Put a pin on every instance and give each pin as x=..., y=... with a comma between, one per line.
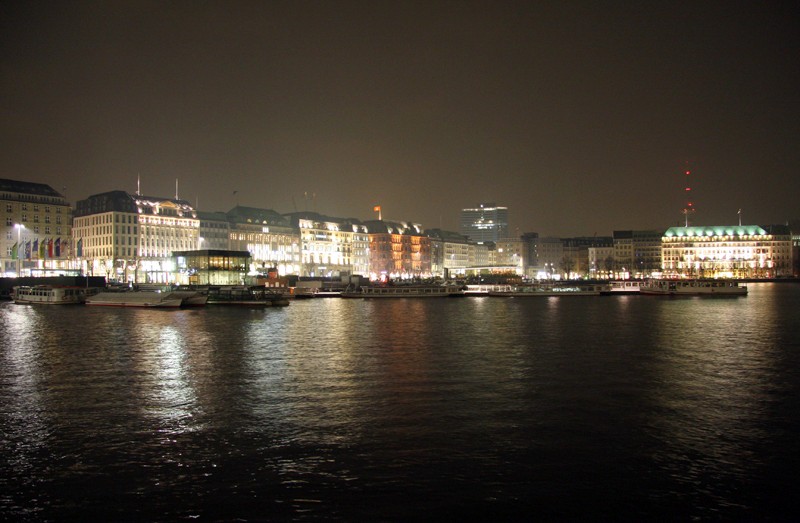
x=485, y=223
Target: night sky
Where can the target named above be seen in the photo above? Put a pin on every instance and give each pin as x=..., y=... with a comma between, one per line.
x=580, y=117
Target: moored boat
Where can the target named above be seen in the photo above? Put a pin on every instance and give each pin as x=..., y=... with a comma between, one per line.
x=190, y=298
x=623, y=287
x=49, y=295
x=544, y=291
x=404, y=291
x=244, y=296
x=145, y=299
x=693, y=287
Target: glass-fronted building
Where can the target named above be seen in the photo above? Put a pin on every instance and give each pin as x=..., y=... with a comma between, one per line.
x=485, y=223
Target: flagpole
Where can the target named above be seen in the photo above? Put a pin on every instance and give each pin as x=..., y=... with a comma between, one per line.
x=19, y=227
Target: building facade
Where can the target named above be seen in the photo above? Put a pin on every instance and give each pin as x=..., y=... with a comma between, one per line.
x=37, y=230
x=269, y=238
x=637, y=253
x=330, y=247
x=398, y=250
x=485, y=223
x=512, y=253
x=747, y=251
x=130, y=238
x=451, y=253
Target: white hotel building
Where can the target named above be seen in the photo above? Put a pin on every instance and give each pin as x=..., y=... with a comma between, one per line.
x=130, y=238
x=731, y=251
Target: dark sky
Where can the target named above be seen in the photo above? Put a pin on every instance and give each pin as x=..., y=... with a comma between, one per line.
x=580, y=117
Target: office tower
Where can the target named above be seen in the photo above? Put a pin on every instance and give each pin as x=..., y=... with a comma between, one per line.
x=485, y=223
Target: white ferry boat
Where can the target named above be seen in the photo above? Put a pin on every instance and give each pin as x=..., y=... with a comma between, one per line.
x=693, y=288
x=405, y=291
x=543, y=291
x=49, y=295
x=623, y=287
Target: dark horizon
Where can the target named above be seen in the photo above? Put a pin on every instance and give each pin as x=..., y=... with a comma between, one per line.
x=580, y=118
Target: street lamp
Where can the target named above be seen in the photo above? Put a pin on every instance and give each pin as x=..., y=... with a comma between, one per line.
x=19, y=227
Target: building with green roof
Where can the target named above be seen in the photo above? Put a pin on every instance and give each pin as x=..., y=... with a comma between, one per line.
x=727, y=251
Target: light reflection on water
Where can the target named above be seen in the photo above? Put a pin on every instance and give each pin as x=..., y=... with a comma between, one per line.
x=621, y=407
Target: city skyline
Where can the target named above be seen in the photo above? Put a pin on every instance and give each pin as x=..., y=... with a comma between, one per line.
x=579, y=118
x=378, y=210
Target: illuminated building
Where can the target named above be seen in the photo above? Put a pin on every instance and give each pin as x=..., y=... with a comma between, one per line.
x=37, y=230
x=512, y=253
x=212, y=267
x=485, y=223
x=451, y=253
x=214, y=230
x=601, y=262
x=269, y=238
x=636, y=253
x=130, y=238
x=398, y=250
x=330, y=247
x=735, y=251
x=575, y=262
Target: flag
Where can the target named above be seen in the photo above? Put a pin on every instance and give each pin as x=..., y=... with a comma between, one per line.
x=377, y=208
x=50, y=248
x=28, y=250
x=14, y=251
x=35, y=248
x=80, y=247
x=58, y=247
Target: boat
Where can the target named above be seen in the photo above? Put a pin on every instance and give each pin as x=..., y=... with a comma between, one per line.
x=616, y=288
x=49, y=295
x=303, y=293
x=145, y=299
x=548, y=290
x=404, y=291
x=190, y=298
x=694, y=287
x=246, y=296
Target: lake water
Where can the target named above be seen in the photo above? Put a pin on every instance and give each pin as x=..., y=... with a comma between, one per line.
x=495, y=409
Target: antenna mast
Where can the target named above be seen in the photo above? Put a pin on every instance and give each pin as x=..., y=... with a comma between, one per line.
x=689, y=209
